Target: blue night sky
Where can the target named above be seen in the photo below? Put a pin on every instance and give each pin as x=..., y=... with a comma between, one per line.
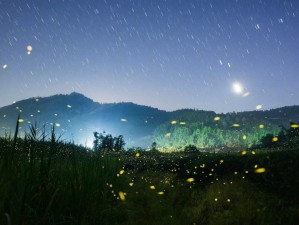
x=166, y=54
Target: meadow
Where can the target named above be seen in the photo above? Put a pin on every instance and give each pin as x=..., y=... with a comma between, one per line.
x=46, y=181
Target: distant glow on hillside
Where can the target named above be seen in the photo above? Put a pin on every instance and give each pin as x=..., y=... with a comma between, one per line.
x=89, y=143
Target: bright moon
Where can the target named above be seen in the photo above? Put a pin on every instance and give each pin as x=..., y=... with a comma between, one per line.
x=29, y=48
x=238, y=88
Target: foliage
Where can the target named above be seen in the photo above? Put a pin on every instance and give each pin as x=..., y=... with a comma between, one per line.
x=106, y=143
x=79, y=116
x=267, y=140
x=286, y=137
x=154, y=147
x=46, y=181
x=208, y=136
x=190, y=149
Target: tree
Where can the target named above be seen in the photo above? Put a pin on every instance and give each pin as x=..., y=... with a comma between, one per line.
x=190, y=149
x=119, y=143
x=286, y=137
x=154, y=147
x=108, y=143
x=97, y=140
x=267, y=141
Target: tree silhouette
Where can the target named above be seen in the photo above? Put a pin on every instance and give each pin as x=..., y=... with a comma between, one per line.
x=286, y=137
x=267, y=141
x=154, y=147
x=107, y=143
x=119, y=143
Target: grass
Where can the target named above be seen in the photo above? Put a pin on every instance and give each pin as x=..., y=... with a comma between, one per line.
x=46, y=181
x=226, y=193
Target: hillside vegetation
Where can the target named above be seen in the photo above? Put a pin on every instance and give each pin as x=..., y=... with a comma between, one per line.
x=77, y=117
x=46, y=181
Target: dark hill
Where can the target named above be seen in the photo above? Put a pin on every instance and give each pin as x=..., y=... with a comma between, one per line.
x=77, y=117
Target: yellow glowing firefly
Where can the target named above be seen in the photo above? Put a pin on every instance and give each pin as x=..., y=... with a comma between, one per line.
x=260, y=170
x=190, y=180
x=122, y=196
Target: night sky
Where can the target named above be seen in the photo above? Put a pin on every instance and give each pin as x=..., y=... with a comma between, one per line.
x=166, y=54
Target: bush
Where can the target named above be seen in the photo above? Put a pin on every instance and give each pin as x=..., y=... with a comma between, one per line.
x=190, y=149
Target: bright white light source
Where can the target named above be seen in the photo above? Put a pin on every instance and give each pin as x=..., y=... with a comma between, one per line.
x=258, y=107
x=238, y=88
x=29, y=48
x=4, y=66
x=89, y=142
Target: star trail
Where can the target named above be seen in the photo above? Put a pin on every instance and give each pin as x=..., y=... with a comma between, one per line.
x=165, y=54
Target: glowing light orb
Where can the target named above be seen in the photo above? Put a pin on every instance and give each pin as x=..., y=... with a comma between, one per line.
x=4, y=66
x=258, y=107
x=260, y=170
x=275, y=139
x=238, y=88
x=295, y=126
x=217, y=118
x=246, y=94
x=167, y=134
x=29, y=48
x=190, y=180
x=122, y=196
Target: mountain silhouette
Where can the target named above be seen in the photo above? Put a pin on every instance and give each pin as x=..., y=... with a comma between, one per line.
x=76, y=117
